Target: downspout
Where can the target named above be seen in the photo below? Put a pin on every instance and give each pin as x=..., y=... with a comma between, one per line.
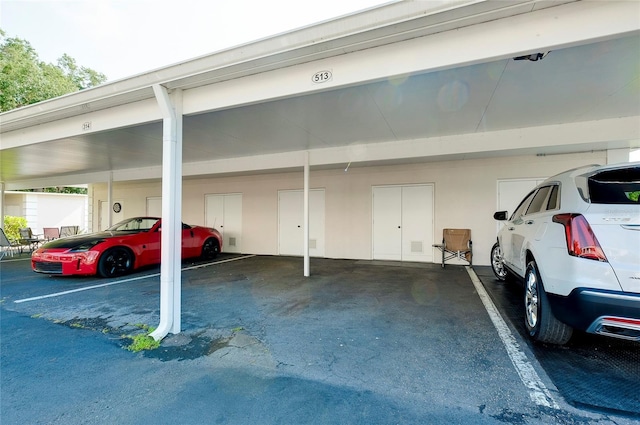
x=171, y=235
x=305, y=213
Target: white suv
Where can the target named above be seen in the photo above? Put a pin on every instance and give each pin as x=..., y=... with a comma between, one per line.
x=575, y=242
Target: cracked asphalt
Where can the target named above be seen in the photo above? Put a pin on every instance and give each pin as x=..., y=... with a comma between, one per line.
x=358, y=342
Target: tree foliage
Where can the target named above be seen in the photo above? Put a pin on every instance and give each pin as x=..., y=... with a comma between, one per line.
x=12, y=226
x=25, y=79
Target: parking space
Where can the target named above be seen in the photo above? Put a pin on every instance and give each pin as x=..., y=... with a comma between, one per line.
x=591, y=371
x=357, y=342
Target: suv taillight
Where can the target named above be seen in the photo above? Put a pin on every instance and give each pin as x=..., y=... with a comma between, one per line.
x=581, y=242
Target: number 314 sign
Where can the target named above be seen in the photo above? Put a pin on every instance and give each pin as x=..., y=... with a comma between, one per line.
x=322, y=77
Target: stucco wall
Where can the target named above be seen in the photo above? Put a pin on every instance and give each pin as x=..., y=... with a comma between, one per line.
x=465, y=196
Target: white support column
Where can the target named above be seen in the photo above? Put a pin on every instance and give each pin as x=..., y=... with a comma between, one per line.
x=2, y=205
x=176, y=203
x=109, y=200
x=306, y=215
x=171, y=239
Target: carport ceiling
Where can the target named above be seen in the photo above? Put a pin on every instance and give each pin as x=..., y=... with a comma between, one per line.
x=582, y=83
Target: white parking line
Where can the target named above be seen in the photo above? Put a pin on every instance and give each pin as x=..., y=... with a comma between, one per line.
x=537, y=390
x=86, y=288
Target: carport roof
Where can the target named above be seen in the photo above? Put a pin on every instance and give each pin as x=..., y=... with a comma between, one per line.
x=411, y=81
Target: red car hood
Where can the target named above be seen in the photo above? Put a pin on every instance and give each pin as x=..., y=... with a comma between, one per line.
x=76, y=241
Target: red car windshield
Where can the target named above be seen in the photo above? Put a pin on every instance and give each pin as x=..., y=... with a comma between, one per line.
x=135, y=224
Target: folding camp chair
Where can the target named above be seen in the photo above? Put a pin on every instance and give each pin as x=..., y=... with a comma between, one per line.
x=456, y=243
x=27, y=238
x=51, y=233
x=7, y=246
x=68, y=231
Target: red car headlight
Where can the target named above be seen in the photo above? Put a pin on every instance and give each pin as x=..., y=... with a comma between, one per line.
x=87, y=257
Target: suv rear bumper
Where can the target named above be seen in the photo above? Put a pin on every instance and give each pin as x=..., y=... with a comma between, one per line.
x=611, y=313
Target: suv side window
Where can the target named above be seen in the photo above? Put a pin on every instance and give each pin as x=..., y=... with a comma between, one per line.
x=554, y=198
x=522, y=207
x=538, y=203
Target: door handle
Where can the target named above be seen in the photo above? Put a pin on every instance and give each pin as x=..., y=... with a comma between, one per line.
x=511, y=228
x=528, y=222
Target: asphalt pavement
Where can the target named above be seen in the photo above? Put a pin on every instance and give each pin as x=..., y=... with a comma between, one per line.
x=358, y=342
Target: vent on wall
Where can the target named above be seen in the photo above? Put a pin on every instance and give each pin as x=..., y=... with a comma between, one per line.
x=416, y=246
x=232, y=241
x=312, y=243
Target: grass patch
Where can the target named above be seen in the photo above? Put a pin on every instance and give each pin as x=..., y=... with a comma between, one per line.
x=142, y=342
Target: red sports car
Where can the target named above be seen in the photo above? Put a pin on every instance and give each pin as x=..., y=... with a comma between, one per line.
x=126, y=246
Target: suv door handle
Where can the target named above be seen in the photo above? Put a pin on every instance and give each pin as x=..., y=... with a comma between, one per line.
x=528, y=222
x=511, y=228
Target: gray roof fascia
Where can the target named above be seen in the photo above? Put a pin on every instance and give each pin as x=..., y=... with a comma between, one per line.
x=389, y=23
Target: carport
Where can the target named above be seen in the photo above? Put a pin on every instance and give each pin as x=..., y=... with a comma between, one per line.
x=399, y=84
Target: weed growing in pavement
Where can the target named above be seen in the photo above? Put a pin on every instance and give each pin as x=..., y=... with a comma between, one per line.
x=142, y=342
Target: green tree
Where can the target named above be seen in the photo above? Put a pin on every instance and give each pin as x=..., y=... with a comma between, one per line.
x=82, y=77
x=59, y=189
x=25, y=79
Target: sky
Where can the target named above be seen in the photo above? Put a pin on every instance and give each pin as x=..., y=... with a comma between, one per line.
x=121, y=38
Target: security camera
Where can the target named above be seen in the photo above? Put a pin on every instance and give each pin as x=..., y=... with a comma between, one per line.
x=532, y=57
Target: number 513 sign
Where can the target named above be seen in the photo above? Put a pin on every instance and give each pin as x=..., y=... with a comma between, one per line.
x=322, y=77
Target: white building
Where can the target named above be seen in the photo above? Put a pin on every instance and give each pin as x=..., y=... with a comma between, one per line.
x=48, y=209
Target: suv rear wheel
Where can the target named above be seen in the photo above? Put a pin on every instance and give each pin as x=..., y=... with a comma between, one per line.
x=541, y=324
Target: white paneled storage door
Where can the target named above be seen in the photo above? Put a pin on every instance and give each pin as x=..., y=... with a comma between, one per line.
x=403, y=223
x=291, y=222
x=154, y=206
x=224, y=213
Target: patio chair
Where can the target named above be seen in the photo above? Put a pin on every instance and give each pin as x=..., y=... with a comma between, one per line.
x=7, y=246
x=51, y=233
x=27, y=238
x=68, y=231
x=456, y=244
